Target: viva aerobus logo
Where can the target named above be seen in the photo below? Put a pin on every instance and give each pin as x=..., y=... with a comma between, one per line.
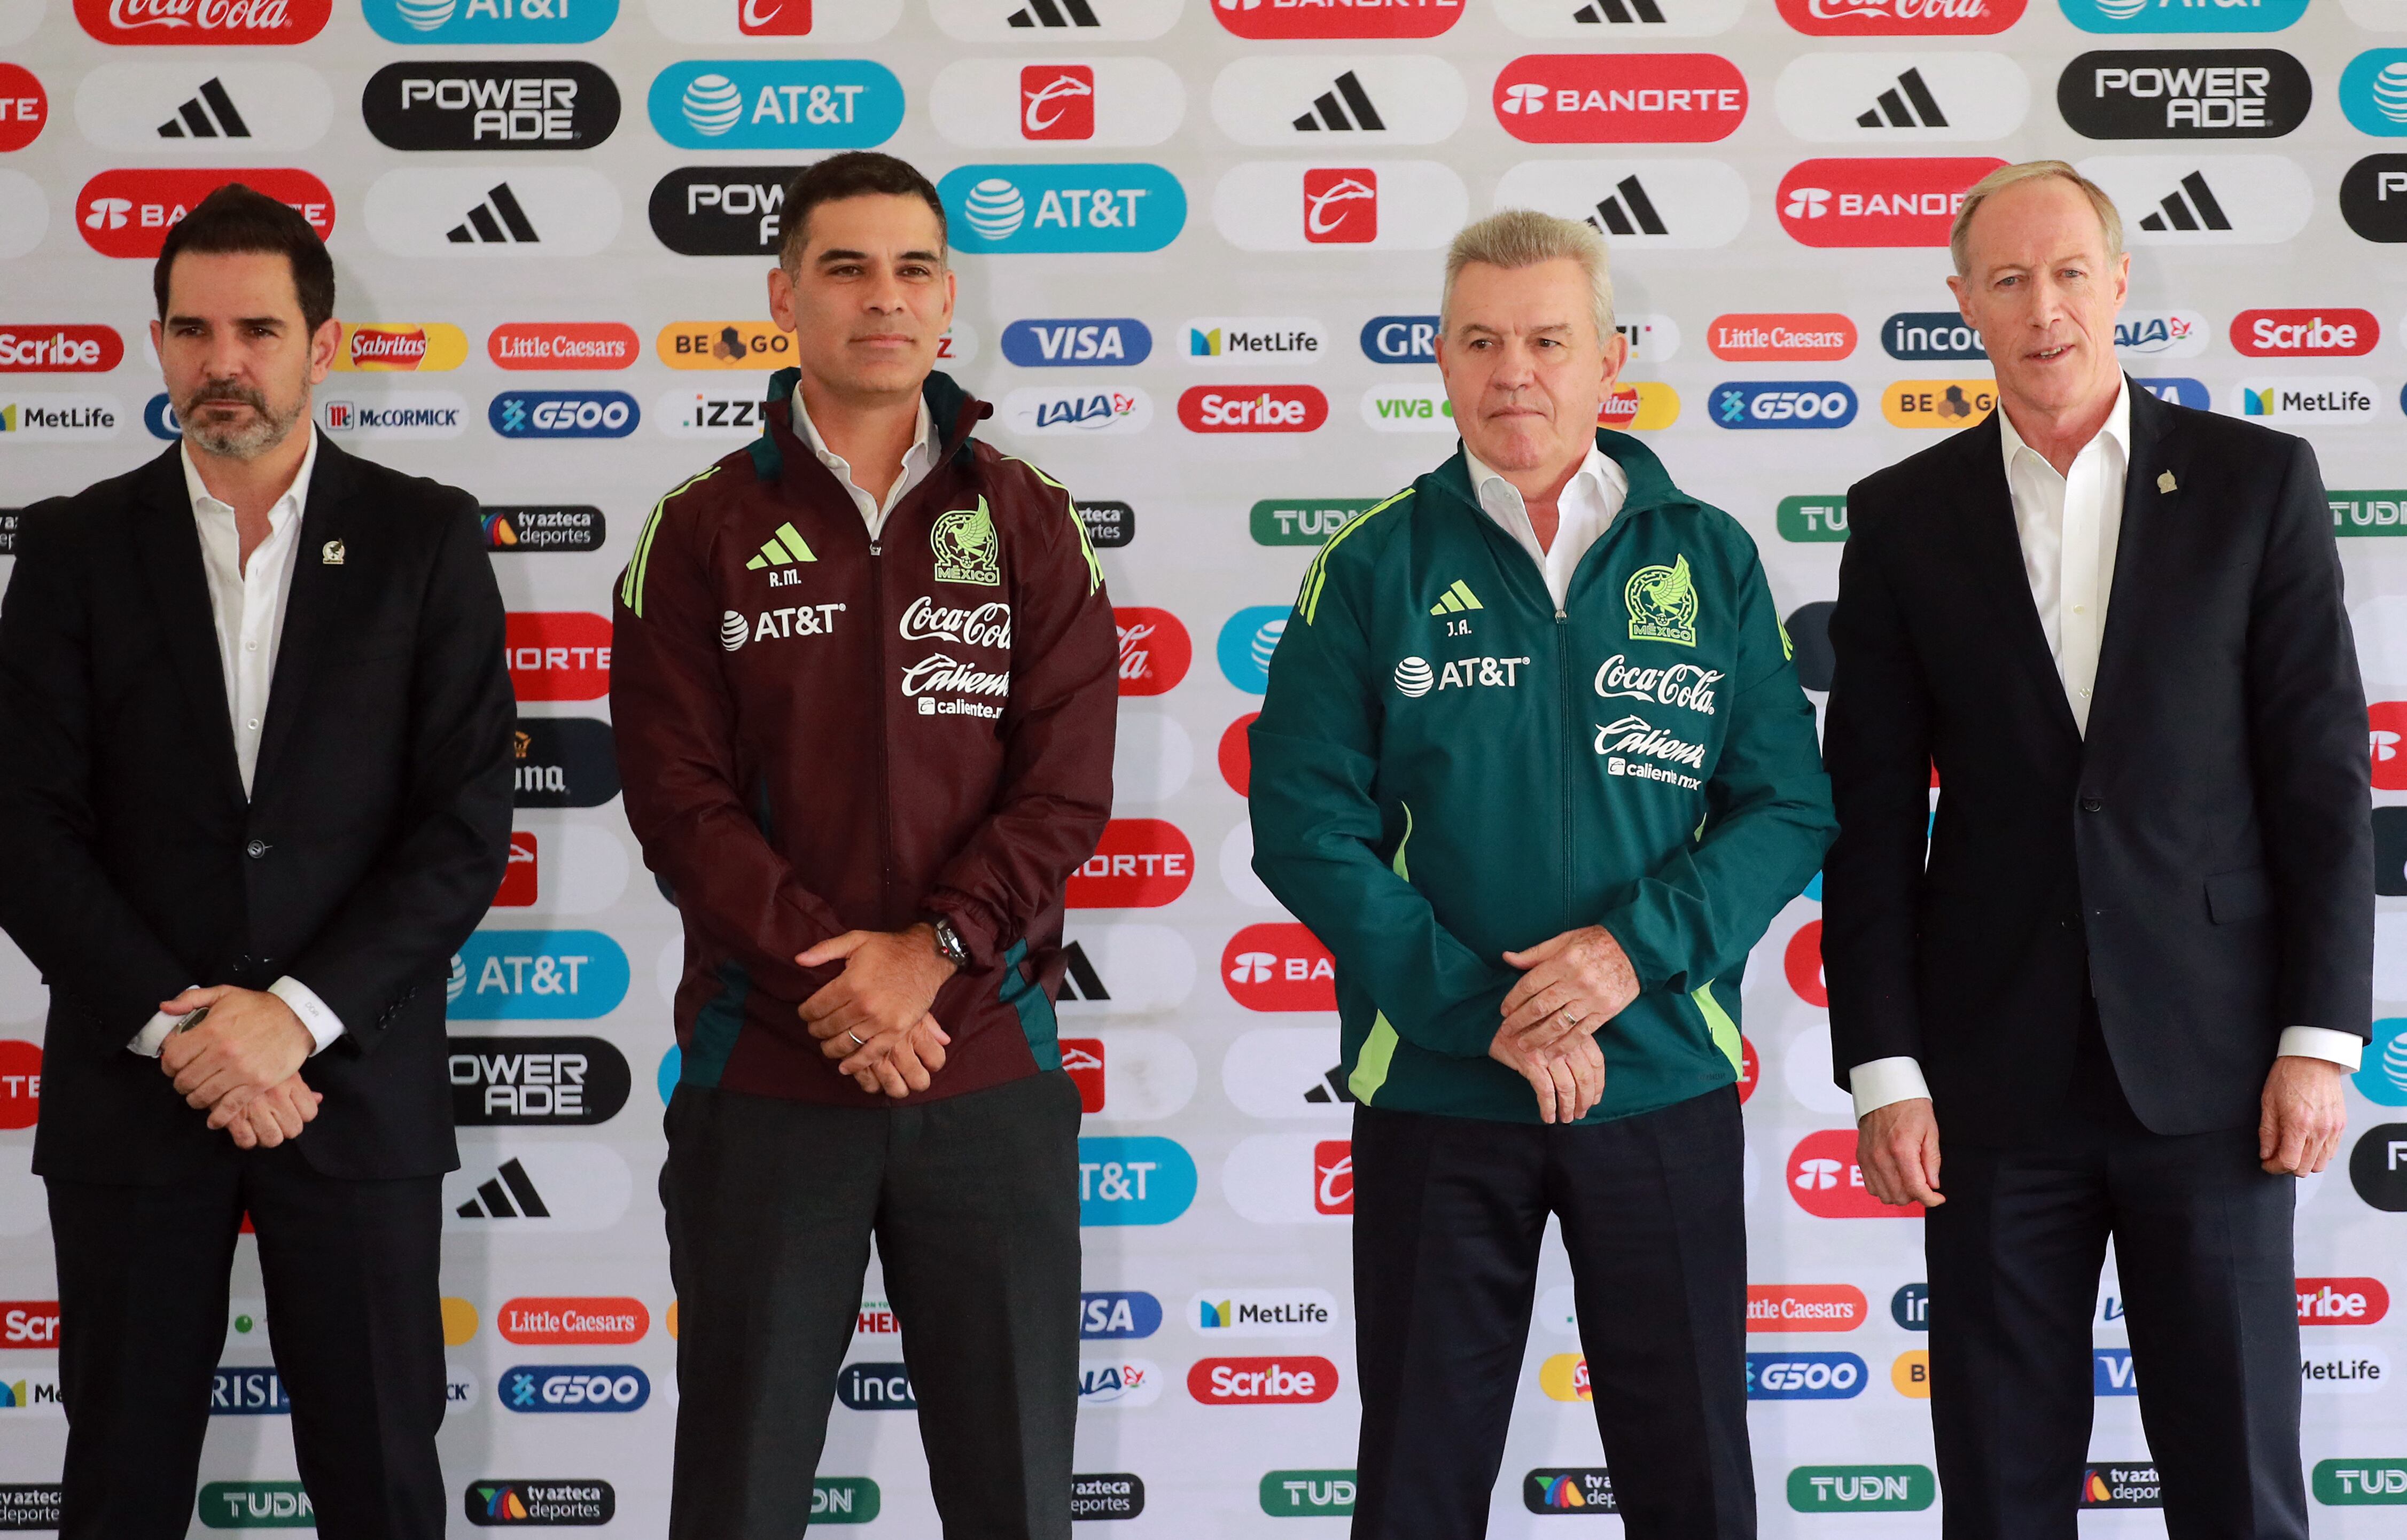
x=1862, y=1489
x=776, y=103
x=2361, y=1483
x=1133, y=1180
x=440, y=23
x=2183, y=15
x=536, y=975
x=1009, y=209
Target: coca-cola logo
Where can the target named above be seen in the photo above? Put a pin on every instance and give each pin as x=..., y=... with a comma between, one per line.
x=1900, y=18
x=1683, y=684
x=207, y=23
x=128, y=213
x=1155, y=650
x=1279, y=967
x=986, y=626
x=1140, y=863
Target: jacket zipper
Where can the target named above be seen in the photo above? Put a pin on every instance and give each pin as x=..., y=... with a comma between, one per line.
x=885, y=726
x=1570, y=841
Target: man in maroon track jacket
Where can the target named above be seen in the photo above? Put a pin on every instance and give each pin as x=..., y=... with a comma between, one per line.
x=865, y=691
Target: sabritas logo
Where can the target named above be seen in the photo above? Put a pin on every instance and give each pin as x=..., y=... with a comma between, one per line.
x=1340, y=205
x=1805, y=1307
x=1866, y=202
x=1273, y=19
x=549, y=1322
x=1261, y=1381
x=1057, y=102
x=47, y=347
x=1564, y=1378
x=1638, y=407
x=1332, y=1177
x=558, y=654
x=1155, y=650
x=1619, y=98
x=2341, y=1301
x=564, y=345
x=126, y=213
x=1279, y=967
x=400, y=347
x=1747, y=338
x=24, y=106
x=2320, y=332
x=203, y=23
x=1900, y=18
x=1826, y=1183
x=1252, y=408
x=1140, y=863
x=29, y=1324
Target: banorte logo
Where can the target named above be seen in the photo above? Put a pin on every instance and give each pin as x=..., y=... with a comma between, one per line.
x=126, y=213
x=21, y=1083
x=1620, y=98
x=1279, y=966
x=1281, y=1381
x=1279, y=19
x=203, y=23
x=1340, y=205
x=1805, y=1307
x=24, y=106
x=1140, y=863
x=1155, y=650
x=1900, y=18
x=558, y=654
x=2323, y=332
x=1826, y=1183
x=1884, y=201
x=1252, y=408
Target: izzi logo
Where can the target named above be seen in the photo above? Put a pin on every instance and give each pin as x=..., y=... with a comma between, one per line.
x=1896, y=99
x=490, y=1504
x=2373, y=92
x=563, y=414
x=2184, y=94
x=2231, y=200
x=1622, y=98
x=543, y=526
x=2374, y=198
x=1552, y=1494
x=1782, y=403
x=563, y=762
x=2121, y=1486
x=438, y=22
x=722, y=210
x=762, y=103
x=558, y=104
x=1101, y=341
x=1636, y=203
x=536, y=1081
x=2361, y=1482
x=530, y=212
x=2183, y=15
x=1862, y=1489
x=575, y=1387
x=1300, y=1494
x=715, y=412
x=1113, y=207
x=1922, y=336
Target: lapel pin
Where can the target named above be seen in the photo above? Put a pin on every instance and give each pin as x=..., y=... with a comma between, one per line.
x=2165, y=483
x=333, y=554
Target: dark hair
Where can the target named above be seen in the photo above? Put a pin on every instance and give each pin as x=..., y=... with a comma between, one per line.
x=234, y=217
x=850, y=175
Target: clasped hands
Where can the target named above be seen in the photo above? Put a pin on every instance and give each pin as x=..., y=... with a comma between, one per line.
x=242, y=1062
x=1569, y=986
x=873, y=1017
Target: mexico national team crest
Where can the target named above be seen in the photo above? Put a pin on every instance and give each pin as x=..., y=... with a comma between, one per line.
x=966, y=550
x=1662, y=603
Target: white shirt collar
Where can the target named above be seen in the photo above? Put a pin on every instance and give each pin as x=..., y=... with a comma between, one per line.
x=923, y=430
x=2117, y=428
x=297, y=494
x=1595, y=466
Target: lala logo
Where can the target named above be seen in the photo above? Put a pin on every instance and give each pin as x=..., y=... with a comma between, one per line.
x=1340, y=205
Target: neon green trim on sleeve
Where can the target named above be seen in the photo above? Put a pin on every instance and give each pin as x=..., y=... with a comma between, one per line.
x=1094, y=566
x=1379, y=1049
x=1308, y=600
x=1718, y=1023
x=631, y=581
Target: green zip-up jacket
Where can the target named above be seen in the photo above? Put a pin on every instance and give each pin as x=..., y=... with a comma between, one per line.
x=1446, y=766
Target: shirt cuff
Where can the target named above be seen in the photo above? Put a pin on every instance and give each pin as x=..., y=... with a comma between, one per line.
x=324, y=1025
x=154, y=1032
x=1881, y=1082
x=2344, y=1049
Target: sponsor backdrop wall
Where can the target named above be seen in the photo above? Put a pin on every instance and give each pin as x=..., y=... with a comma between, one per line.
x=1199, y=245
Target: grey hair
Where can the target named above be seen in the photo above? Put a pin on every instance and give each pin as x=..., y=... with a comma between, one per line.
x=1513, y=238
x=2110, y=219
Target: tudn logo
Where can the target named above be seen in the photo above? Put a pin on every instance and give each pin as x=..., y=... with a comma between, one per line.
x=1527, y=96
x=712, y=105
x=1413, y=678
x=995, y=209
x=1340, y=205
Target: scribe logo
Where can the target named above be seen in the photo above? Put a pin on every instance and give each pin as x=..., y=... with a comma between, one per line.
x=29, y=1324
x=553, y=1083
x=1340, y=205
x=2322, y=332
x=57, y=348
x=1102, y=342
x=1805, y=1307
x=2341, y=1301
x=1057, y=102
x=1774, y=338
x=1620, y=98
x=1286, y=19
x=126, y=213
x=1826, y=1183
x=557, y=1500
x=1782, y=403
x=1252, y=408
x=1877, y=202
x=24, y=106
x=724, y=344
x=203, y=23
x=1556, y=1492
x=1140, y=863
x=1155, y=651
x=1296, y=1381
x=575, y=1387
x=1862, y=1489
x=441, y=22
x=776, y=103
x=1279, y=966
x=2184, y=94
x=1332, y=1177
x=1804, y=1377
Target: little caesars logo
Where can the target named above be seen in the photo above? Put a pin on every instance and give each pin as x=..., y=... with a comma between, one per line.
x=1662, y=603
x=966, y=550
x=1683, y=684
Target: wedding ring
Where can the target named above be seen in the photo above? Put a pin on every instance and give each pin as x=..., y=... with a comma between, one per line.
x=856, y=1042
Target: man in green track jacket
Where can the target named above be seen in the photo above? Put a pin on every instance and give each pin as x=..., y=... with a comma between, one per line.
x=1535, y=766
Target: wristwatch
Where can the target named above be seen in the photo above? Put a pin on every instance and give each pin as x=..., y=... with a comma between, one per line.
x=949, y=944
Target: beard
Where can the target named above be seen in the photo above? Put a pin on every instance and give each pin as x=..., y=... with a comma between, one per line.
x=248, y=437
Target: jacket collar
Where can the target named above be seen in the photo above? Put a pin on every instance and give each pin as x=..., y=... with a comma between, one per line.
x=952, y=410
x=1650, y=485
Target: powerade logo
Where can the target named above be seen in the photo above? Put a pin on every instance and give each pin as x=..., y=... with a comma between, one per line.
x=2184, y=94
x=1138, y=1180
x=451, y=22
x=2373, y=92
x=1057, y=343
x=2183, y=15
x=563, y=414
x=1106, y=1315
x=1246, y=643
x=575, y=1387
x=776, y=103
x=1783, y=404
x=1804, y=1377
x=536, y=975
x=1127, y=206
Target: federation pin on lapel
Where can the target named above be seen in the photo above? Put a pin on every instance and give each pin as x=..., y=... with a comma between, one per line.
x=2165, y=483
x=333, y=554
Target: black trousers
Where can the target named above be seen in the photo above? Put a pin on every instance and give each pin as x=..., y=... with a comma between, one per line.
x=2202, y=1246
x=974, y=1201
x=354, y=1313
x=1448, y=1216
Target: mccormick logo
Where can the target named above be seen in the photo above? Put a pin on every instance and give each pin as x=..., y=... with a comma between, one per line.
x=448, y=21
x=1296, y=1381
x=1877, y=202
x=564, y=345
x=1903, y=17
x=1782, y=403
x=1117, y=1313
x=558, y=654
x=1111, y=206
x=1620, y=98
x=1057, y=102
x=58, y=348
x=1252, y=409
x=1133, y=1180
x=776, y=103
x=1804, y=1377
x=575, y=1387
x=1780, y=338
x=1563, y=1492
x=541, y=1502
x=1105, y=342
x=1140, y=863
x=1279, y=966
x=29, y=1324
x=1155, y=652
x=1826, y=1183
x=2304, y=334
x=1277, y=19
x=24, y=106
x=1805, y=1307
x=1340, y=205
x=2341, y=1301
x=126, y=213
x=724, y=344
x=1332, y=1177
x=203, y=23
x=552, y=1322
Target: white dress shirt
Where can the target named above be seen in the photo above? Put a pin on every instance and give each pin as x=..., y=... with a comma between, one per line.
x=917, y=461
x=248, y=602
x=2071, y=528
x=1584, y=511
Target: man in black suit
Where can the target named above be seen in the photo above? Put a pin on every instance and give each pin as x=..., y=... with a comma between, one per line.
x=254, y=763
x=2139, y=960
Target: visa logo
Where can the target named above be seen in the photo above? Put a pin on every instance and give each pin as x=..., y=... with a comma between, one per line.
x=1051, y=344
x=1117, y=1313
x=2111, y=1372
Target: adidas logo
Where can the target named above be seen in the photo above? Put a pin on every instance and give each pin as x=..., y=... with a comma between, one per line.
x=1618, y=13
x=1079, y=979
x=2198, y=211
x=1915, y=108
x=1354, y=111
x=782, y=549
x=1055, y=13
x=511, y=1181
x=210, y=115
x=1330, y=1089
x=497, y=222
x=1628, y=212
x=1456, y=598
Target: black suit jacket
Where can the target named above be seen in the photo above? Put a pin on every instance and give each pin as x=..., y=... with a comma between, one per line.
x=2203, y=862
x=375, y=833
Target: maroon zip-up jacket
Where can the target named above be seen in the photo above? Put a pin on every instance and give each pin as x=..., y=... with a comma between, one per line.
x=819, y=734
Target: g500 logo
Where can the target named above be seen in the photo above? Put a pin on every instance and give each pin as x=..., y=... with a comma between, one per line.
x=563, y=414
x=575, y=1387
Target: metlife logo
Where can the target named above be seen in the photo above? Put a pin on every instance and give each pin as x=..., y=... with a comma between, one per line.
x=560, y=104
x=1894, y=100
x=1320, y=101
x=1029, y=208
x=2309, y=400
x=2184, y=94
x=57, y=417
x=735, y=103
x=442, y=23
x=1214, y=341
x=1263, y=1312
x=1080, y=101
